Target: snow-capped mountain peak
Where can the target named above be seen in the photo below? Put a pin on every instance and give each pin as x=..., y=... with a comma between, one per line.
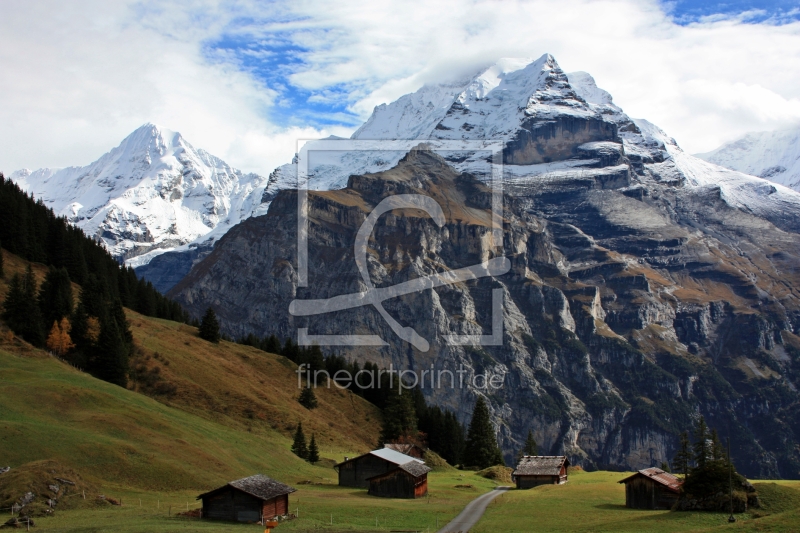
x=553, y=126
x=509, y=88
x=587, y=88
x=773, y=155
x=151, y=193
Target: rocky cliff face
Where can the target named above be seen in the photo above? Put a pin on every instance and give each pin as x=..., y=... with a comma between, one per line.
x=645, y=288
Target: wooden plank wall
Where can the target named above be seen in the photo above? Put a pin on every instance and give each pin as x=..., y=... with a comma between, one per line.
x=643, y=493
x=232, y=505
x=399, y=484
x=356, y=472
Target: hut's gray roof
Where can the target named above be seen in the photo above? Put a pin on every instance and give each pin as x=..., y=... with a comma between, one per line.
x=387, y=454
x=540, y=465
x=414, y=468
x=259, y=486
x=395, y=456
x=659, y=476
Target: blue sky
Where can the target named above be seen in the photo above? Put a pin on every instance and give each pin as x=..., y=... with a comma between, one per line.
x=272, y=61
x=772, y=11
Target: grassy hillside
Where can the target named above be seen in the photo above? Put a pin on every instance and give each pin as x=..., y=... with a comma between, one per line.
x=214, y=412
x=49, y=410
x=234, y=385
x=244, y=388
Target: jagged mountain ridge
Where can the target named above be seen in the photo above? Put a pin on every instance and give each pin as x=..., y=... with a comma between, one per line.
x=496, y=103
x=517, y=100
x=773, y=155
x=152, y=193
x=647, y=286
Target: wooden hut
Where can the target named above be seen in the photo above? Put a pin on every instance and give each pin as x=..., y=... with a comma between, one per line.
x=651, y=488
x=535, y=470
x=412, y=450
x=356, y=471
x=251, y=499
x=409, y=480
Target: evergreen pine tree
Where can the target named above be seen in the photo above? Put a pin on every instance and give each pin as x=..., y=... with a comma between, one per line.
x=33, y=315
x=290, y=350
x=299, y=447
x=109, y=360
x=712, y=472
x=21, y=310
x=453, y=440
x=80, y=326
x=308, y=399
x=273, y=345
x=209, y=326
x=530, y=448
x=2, y=272
x=399, y=417
x=665, y=466
x=55, y=296
x=13, y=305
x=683, y=457
x=313, y=450
x=481, y=447
x=118, y=314
x=701, y=448
x=717, y=450
x=314, y=358
x=93, y=296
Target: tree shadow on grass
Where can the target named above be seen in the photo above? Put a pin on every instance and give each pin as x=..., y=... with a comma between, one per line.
x=622, y=507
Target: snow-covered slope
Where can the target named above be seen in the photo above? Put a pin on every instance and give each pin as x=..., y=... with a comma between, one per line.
x=152, y=193
x=555, y=126
x=756, y=195
x=774, y=155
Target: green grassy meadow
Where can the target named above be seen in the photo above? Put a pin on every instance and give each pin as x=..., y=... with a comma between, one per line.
x=351, y=509
x=591, y=501
x=594, y=501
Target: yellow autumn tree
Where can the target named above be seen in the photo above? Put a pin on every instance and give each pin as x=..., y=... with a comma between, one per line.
x=59, y=341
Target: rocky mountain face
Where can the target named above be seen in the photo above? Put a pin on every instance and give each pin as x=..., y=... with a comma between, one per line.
x=772, y=155
x=153, y=193
x=645, y=287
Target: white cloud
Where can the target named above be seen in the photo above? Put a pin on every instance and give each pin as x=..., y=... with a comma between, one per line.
x=704, y=83
x=79, y=76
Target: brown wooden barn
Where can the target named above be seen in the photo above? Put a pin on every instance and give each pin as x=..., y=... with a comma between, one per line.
x=412, y=450
x=356, y=471
x=409, y=480
x=651, y=488
x=251, y=499
x=535, y=470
